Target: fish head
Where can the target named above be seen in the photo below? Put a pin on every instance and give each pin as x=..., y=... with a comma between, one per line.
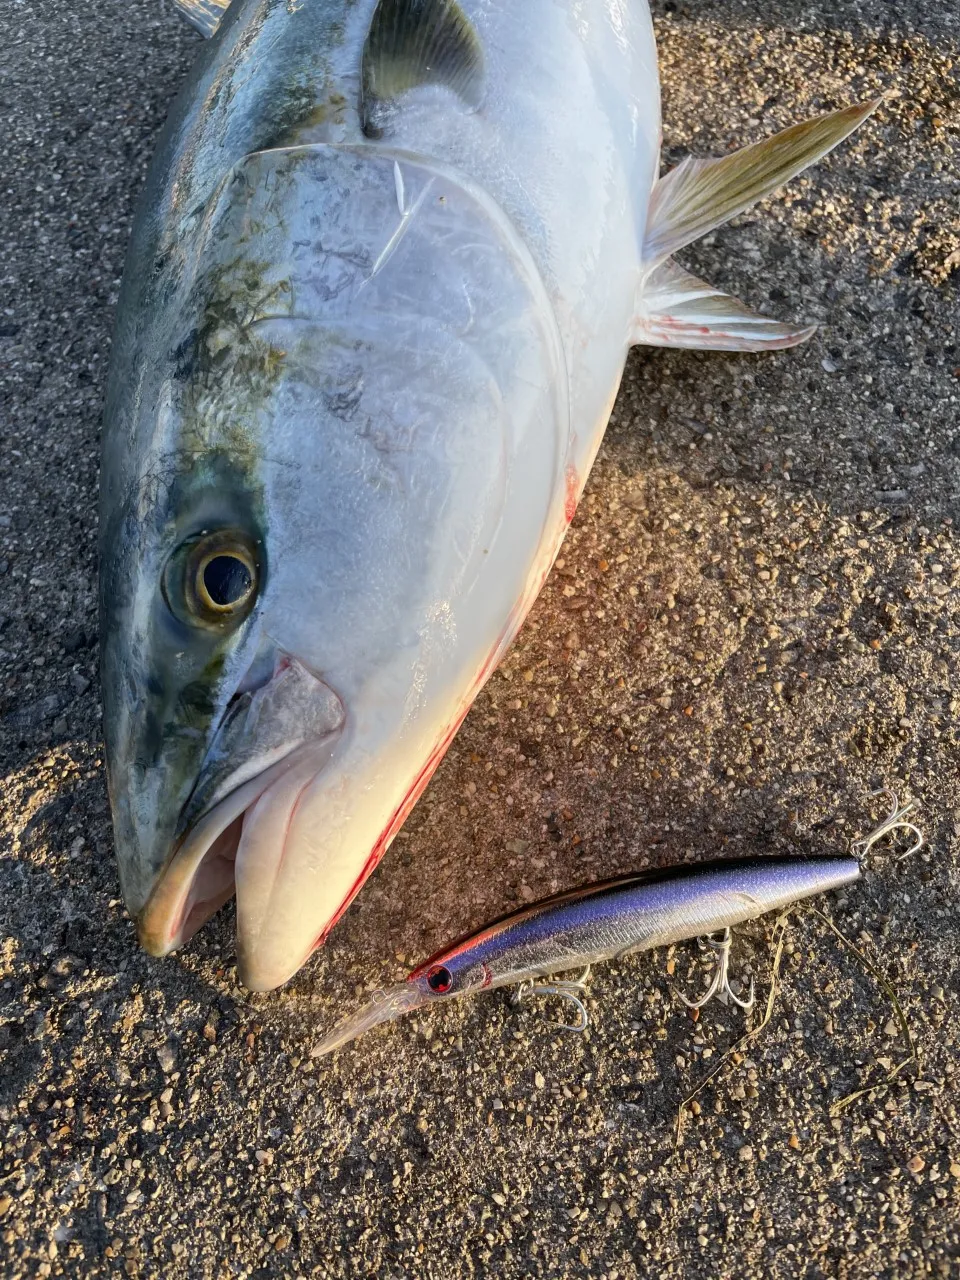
x=333, y=483
x=199, y=703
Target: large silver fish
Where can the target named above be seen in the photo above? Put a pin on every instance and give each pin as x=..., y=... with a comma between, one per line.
x=380, y=291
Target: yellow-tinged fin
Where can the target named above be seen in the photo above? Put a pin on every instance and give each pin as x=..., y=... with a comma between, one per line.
x=678, y=310
x=699, y=195
x=414, y=42
x=205, y=15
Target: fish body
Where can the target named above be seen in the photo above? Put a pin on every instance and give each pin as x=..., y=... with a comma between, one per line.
x=388, y=263
x=601, y=922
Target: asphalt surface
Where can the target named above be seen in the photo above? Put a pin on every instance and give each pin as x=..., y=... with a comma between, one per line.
x=755, y=622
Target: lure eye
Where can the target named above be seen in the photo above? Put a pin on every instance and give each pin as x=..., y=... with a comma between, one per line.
x=439, y=979
x=214, y=579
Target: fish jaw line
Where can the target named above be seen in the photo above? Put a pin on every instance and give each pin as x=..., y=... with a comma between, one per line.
x=264, y=870
x=266, y=730
x=272, y=944
x=181, y=902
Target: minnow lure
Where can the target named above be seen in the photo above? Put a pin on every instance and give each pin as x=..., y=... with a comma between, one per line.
x=579, y=928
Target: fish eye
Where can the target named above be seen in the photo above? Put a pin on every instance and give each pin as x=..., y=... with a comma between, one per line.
x=224, y=580
x=214, y=579
x=439, y=979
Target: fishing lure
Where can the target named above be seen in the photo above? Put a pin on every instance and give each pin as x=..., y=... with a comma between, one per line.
x=579, y=928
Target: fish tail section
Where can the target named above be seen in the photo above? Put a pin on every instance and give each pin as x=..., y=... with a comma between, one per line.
x=676, y=309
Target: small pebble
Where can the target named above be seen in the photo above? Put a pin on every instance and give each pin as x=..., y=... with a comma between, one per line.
x=167, y=1058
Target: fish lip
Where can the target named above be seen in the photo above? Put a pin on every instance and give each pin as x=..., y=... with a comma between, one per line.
x=254, y=971
x=161, y=919
x=266, y=731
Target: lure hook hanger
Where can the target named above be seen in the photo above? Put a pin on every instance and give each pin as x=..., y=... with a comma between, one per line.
x=720, y=983
x=565, y=990
x=897, y=821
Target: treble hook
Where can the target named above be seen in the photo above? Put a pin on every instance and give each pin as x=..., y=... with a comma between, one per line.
x=720, y=983
x=565, y=990
x=895, y=822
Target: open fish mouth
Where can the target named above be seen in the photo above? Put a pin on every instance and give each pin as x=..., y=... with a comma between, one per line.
x=202, y=874
x=292, y=809
x=236, y=826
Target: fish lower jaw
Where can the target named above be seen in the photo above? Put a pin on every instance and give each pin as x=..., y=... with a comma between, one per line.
x=200, y=877
x=255, y=976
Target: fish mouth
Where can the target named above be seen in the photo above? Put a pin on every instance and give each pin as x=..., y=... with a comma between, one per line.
x=201, y=875
x=234, y=829
x=291, y=812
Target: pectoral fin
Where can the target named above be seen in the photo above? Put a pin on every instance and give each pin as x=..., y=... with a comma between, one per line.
x=677, y=310
x=205, y=15
x=699, y=195
x=674, y=308
x=414, y=42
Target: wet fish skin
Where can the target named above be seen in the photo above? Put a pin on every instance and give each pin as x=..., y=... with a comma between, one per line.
x=348, y=353
x=600, y=922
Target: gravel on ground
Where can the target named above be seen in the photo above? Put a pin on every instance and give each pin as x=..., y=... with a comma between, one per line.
x=754, y=623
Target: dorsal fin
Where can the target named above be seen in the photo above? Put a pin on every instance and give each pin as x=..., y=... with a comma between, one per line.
x=412, y=42
x=205, y=15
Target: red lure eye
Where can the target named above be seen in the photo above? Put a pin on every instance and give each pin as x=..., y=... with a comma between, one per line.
x=439, y=979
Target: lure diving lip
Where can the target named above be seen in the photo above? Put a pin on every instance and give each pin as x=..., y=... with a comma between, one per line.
x=598, y=922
